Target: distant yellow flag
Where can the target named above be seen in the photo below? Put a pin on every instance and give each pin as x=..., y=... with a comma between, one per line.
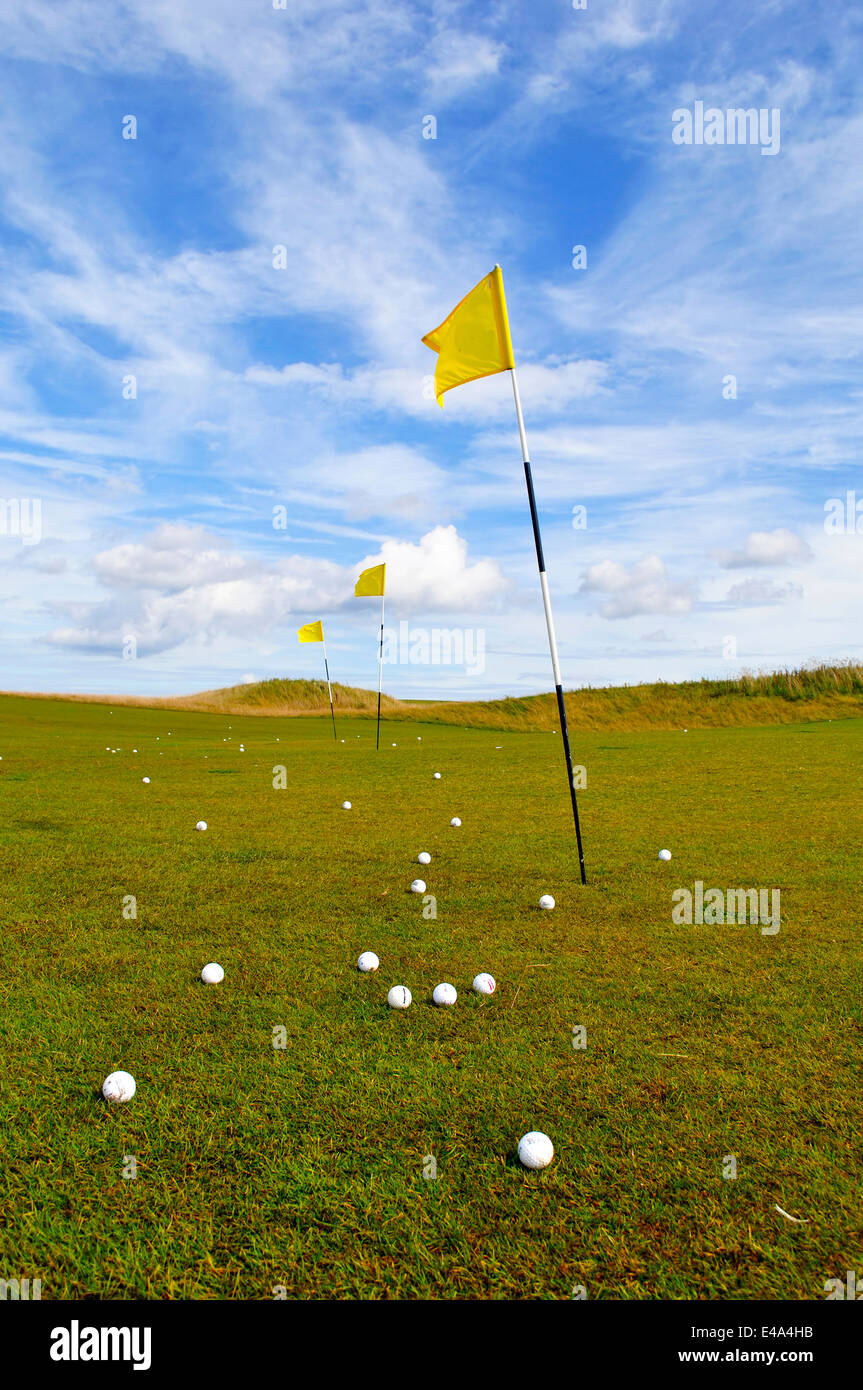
x=473, y=341
x=371, y=581
x=312, y=632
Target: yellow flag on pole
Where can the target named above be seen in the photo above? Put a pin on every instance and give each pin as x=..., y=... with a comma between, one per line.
x=371, y=582
x=473, y=341
x=312, y=632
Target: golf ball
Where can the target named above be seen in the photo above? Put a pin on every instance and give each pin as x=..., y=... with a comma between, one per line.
x=418, y=886
x=201, y=825
x=117, y=1087
x=444, y=994
x=484, y=984
x=212, y=974
x=535, y=1150
x=399, y=997
x=424, y=858
x=455, y=821
x=368, y=961
x=145, y=779
x=665, y=855
x=346, y=805
x=546, y=901
x=436, y=776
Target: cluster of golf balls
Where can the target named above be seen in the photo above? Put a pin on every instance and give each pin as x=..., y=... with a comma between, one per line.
x=444, y=994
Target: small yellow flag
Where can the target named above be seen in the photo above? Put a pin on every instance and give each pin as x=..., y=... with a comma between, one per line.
x=473, y=341
x=371, y=581
x=312, y=632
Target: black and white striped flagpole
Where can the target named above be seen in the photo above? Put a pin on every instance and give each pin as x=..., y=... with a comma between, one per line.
x=549, y=620
x=329, y=688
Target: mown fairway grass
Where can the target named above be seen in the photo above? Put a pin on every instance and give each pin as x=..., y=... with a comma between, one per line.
x=303, y=1167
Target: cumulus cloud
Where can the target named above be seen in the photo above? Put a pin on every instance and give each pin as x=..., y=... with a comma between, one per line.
x=436, y=573
x=763, y=548
x=175, y=557
x=644, y=588
x=757, y=593
x=182, y=584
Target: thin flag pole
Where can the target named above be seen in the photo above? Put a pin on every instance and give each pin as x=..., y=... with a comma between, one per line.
x=329, y=687
x=380, y=674
x=549, y=620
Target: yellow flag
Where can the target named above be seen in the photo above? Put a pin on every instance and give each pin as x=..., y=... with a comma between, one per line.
x=371, y=581
x=473, y=341
x=312, y=632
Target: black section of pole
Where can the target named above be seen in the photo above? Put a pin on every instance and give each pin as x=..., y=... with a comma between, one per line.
x=330, y=689
x=565, y=731
x=561, y=706
x=531, y=497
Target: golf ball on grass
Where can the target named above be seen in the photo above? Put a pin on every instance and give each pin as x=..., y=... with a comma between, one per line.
x=535, y=1150
x=546, y=901
x=423, y=858
x=436, y=776
x=665, y=855
x=444, y=994
x=145, y=779
x=418, y=886
x=455, y=821
x=368, y=961
x=484, y=984
x=117, y=1087
x=201, y=825
x=212, y=974
x=399, y=997
x=346, y=805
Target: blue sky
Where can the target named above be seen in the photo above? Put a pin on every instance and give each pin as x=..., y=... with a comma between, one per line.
x=704, y=551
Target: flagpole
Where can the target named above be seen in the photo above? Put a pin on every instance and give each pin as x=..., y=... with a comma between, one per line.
x=329, y=687
x=549, y=620
x=380, y=674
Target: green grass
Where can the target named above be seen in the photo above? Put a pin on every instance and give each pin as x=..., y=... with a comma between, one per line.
x=303, y=1167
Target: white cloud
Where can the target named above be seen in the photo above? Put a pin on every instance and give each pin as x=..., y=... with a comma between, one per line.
x=181, y=584
x=757, y=593
x=763, y=548
x=436, y=574
x=644, y=588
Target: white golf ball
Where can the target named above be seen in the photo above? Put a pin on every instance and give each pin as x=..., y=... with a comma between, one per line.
x=346, y=805
x=202, y=825
x=212, y=974
x=368, y=961
x=484, y=984
x=418, y=886
x=399, y=997
x=444, y=994
x=436, y=776
x=145, y=779
x=117, y=1087
x=455, y=821
x=535, y=1150
x=424, y=858
x=546, y=901
x=665, y=855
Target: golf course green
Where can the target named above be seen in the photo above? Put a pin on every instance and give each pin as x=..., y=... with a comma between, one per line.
x=293, y=1136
